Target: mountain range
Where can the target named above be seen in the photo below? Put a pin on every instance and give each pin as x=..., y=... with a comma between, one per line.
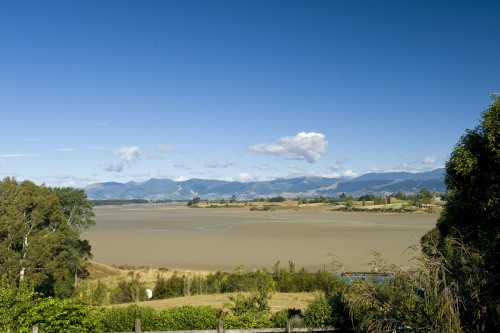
x=210, y=189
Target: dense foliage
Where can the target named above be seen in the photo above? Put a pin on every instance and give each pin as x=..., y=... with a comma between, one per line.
x=413, y=299
x=39, y=235
x=173, y=319
x=21, y=308
x=467, y=233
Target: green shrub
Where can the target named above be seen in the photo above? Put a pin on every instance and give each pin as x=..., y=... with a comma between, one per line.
x=21, y=309
x=280, y=318
x=123, y=319
x=173, y=319
x=14, y=302
x=247, y=320
x=98, y=294
x=168, y=288
x=53, y=315
x=133, y=290
x=318, y=313
x=214, y=282
x=188, y=318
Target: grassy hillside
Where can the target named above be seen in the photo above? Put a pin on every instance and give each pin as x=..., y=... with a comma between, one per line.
x=111, y=276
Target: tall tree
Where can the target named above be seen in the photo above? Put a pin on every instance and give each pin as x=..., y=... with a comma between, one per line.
x=37, y=242
x=468, y=230
x=76, y=208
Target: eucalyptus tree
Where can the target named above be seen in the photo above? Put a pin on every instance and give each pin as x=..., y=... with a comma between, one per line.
x=40, y=235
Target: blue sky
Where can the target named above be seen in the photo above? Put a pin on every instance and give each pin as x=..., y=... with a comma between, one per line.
x=94, y=91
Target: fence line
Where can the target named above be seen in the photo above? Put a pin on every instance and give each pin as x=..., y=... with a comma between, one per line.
x=220, y=329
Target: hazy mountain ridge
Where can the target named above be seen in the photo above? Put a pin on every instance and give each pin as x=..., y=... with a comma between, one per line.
x=374, y=183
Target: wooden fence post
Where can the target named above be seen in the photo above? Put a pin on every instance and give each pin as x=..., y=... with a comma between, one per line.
x=220, y=326
x=138, y=326
x=288, y=328
x=35, y=328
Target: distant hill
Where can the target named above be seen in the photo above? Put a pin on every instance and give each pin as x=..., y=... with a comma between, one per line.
x=374, y=183
x=430, y=175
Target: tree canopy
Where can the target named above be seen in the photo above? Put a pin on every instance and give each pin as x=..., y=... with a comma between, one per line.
x=40, y=235
x=468, y=231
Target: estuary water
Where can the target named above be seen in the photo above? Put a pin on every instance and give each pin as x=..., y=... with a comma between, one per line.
x=175, y=236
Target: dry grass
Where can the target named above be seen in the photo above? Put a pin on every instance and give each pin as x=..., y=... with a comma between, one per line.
x=110, y=275
x=278, y=302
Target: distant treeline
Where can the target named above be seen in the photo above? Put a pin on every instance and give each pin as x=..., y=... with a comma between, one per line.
x=118, y=202
x=114, y=202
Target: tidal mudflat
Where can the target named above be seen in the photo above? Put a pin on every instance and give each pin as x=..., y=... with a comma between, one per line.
x=173, y=236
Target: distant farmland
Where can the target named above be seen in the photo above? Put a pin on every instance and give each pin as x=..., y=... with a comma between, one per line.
x=225, y=238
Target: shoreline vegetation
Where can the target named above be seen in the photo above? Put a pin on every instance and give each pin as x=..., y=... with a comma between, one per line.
x=109, y=277
x=423, y=202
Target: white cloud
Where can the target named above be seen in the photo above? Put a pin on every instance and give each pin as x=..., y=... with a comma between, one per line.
x=178, y=178
x=404, y=167
x=154, y=157
x=430, y=160
x=58, y=180
x=15, y=155
x=349, y=174
x=169, y=149
x=244, y=177
x=346, y=174
x=310, y=146
x=65, y=149
x=127, y=156
x=376, y=169
x=217, y=165
x=339, y=165
x=182, y=166
x=114, y=167
x=166, y=149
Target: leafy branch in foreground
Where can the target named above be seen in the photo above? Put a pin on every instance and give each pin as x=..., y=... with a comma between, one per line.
x=417, y=298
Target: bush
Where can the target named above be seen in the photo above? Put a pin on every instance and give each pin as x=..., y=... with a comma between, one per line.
x=318, y=313
x=123, y=319
x=97, y=294
x=416, y=299
x=280, y=318
x=247, y=320
x=53, y=315
x=14, y=302
x=168, y=288
x=188, y=318
x=133, y=290
x=21, y=309
x=173, y=319
x=246, y=281
x=215, y=281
